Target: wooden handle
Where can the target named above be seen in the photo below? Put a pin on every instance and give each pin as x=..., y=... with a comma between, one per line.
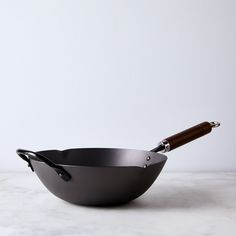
x=185, y=136
x=188, y=135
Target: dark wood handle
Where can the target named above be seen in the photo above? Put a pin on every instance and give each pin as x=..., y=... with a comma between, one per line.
x=185, y=136
x=189, y=135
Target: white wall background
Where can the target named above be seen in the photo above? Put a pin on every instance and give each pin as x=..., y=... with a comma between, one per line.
x=121, y=73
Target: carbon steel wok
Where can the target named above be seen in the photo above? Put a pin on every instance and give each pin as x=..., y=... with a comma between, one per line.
x=105, y=176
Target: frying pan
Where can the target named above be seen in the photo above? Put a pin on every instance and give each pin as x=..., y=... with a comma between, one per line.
x=105, y=176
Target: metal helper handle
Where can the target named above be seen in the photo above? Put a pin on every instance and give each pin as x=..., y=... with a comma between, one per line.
x=185, y=136
x=25, y=155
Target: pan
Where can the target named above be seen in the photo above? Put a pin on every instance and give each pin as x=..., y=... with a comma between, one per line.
x=105, y=176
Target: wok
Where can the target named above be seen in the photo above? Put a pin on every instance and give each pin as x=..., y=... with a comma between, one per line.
x=105, y=176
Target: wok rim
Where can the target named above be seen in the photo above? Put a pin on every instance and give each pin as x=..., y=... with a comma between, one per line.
x=155, y=154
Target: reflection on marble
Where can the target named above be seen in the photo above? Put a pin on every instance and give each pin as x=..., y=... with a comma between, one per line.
x=177, y=204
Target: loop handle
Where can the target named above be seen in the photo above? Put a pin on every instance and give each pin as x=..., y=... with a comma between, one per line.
x=25, y=155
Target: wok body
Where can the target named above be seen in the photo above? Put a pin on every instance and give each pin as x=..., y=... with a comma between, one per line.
x=100, y=176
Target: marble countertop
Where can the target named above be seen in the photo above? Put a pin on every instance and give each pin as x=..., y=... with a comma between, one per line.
x=177, y=204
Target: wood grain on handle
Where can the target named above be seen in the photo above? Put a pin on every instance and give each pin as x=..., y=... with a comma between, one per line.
x=189, y=135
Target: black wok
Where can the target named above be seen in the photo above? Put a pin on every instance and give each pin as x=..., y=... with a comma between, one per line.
x=105, y=176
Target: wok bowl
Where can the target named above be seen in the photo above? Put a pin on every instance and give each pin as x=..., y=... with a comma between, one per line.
x=100, y=176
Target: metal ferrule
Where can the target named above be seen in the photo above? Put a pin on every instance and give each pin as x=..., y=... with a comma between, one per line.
x=166, y=146
x=215, y=124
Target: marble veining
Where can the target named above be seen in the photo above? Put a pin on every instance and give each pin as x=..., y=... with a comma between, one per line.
x=177, y=204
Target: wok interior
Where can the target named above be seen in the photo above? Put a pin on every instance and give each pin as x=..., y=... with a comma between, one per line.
x=103, y=157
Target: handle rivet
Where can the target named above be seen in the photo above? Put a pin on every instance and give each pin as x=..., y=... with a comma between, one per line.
x=145, y=166
x=148, y=158
x=60, y=174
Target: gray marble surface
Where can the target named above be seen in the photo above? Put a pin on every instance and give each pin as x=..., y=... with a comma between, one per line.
x=177, y=204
